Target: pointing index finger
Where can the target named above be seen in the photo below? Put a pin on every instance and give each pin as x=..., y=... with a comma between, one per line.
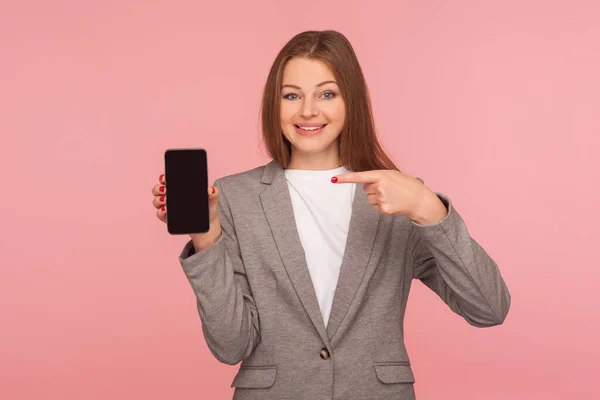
x=357, y=177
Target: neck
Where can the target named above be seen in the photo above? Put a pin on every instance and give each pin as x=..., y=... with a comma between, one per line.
x=314, y=161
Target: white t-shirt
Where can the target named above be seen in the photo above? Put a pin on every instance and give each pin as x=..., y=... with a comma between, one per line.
x=322, y=211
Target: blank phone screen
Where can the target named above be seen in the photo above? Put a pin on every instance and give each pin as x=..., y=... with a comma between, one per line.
x=186, y=177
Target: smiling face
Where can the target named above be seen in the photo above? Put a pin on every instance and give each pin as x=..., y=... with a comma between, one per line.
x=310, y=99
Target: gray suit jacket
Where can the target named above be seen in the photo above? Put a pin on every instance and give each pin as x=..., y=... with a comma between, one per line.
x=257, y=304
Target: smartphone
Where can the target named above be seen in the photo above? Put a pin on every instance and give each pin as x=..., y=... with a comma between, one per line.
x=186, y=181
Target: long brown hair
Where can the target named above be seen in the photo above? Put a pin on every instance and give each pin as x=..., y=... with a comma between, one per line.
x=359, y=148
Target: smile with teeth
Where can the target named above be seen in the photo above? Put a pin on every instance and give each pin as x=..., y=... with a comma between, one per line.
x=310, y=128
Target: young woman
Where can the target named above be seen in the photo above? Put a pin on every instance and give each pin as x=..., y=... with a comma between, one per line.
x=305, y=273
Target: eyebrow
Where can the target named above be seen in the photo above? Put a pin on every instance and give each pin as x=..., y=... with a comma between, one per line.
x=319, y=85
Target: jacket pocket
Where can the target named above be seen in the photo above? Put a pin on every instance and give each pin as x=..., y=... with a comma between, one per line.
x=255, y=377
x=394, y=372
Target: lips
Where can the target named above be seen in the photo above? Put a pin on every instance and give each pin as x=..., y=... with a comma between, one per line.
x=310, y=132
x=312, y=125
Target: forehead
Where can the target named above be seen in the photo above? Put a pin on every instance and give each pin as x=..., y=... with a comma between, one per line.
x=306, y=72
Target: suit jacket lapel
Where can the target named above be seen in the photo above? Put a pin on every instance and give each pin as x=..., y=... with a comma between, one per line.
x=359, y=245
x=364, y=222
x=277, y=206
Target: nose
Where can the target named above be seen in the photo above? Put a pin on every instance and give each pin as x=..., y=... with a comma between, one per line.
x=309, y=108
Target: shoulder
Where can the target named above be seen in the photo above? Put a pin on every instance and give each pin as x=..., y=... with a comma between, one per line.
x=243, y=178
x=246, y=181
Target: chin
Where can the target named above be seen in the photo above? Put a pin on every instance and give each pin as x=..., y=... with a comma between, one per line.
x=313, y=148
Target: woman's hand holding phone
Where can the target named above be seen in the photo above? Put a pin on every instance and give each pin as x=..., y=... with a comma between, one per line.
x=201, y=240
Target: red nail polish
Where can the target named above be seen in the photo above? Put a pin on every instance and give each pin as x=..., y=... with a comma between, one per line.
x=162, y=188
x=162, y=198
x=160, y=177
x=213, y=189
x=163, y=208
x=334, y=179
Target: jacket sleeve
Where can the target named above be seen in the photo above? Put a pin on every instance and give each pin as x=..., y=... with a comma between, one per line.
x=452, y=264
x=217, y=275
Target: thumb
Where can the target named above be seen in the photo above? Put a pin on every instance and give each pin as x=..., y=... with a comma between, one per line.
x=213, y=202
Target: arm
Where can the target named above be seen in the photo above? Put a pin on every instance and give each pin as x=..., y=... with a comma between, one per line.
x=451, y=263
x=227, y=310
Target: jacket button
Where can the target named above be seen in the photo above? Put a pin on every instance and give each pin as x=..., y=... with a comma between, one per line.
x=324, y=354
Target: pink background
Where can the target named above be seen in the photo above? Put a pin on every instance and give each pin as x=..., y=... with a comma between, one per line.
x=496, y=105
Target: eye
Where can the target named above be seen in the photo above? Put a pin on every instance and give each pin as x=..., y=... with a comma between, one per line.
x=287, y=96
x=333, y=95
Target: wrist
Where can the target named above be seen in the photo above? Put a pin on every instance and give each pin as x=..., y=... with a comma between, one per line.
x=431, y=210
x=203, y=241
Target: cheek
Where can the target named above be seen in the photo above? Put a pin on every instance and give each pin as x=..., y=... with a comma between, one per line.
x=337, y=113
x=286, y=112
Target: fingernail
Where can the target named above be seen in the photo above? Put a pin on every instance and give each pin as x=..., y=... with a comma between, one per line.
x=162, y=198
x=334, y=179
x=162, y=188
x=160, y=177
x=163, y=208
x=213, y=189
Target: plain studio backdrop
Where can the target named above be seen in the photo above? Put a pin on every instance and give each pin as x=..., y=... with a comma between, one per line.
x=494, y=103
